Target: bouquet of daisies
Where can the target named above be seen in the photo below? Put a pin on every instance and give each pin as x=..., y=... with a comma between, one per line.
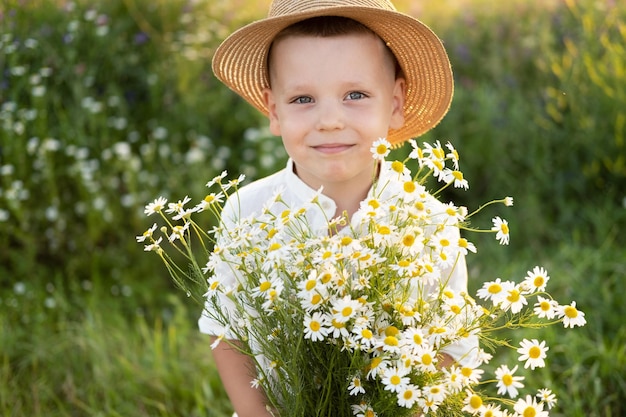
x=354, y=319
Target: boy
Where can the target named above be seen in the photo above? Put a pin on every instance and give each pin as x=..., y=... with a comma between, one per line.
x=332, y=79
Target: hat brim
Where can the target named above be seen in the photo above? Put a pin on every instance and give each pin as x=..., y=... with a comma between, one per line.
x=240, y=62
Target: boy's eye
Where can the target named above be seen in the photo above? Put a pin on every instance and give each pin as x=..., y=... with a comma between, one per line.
x=355, y=95
x=302, y=100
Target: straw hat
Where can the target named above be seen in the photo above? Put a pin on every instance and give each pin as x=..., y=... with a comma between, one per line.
x=240, y=62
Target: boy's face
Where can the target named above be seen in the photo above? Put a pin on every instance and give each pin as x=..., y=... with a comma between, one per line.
x=330, y=99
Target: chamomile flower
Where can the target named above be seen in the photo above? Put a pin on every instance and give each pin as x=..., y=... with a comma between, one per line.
x=545, y=308
x=501, y=227
x=508, y=383
x=377, y=367
x=436, y=393
x=147, y=234
x=209, y=201
x=571, y=316
x=513, y=300
x=453, y=155
x=178, y=232
x=426, y=358
x=217, y=180
x=471, y=374
x=380, y=149
x=465, y=246
x=338, y=330
x=355, y=387
x=408, y=396
x=315, y=327
x=547, y=397
x=528, y=407
x=495, y=291
x=455, y=177
x=178, y=206
x=345, y=308
x=156, y=206
x=473, y=403
x=363, y=410
x=536, y=280
x=533, y=352
x=453, y=379
x=155, y=246
x=395, y=379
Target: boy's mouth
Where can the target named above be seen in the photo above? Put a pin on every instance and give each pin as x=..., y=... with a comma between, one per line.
x=332, y=148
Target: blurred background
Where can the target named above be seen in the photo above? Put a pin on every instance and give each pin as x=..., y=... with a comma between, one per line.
x=106, y=105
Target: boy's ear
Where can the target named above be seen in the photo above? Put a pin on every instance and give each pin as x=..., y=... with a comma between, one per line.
x=397, y=111
x=268, y=98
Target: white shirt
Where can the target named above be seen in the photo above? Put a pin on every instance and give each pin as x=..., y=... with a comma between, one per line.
x=250, y=200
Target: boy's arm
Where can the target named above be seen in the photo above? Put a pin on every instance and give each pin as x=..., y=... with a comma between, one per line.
x=236, y=371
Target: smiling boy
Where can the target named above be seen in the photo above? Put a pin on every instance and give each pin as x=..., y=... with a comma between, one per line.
x=332, y=79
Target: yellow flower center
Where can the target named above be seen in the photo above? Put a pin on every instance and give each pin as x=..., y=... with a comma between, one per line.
x=427, y=359
x=529, y=412
x=507, y=380
x=408, y=240
x=539, y=281
x=404, y=263
x=395, y=380
x=375, y=362
x=513, y=296
x=346, y=312
x=408, y=394
x=571, y=312
x=367, y=334
x=397, y=166
x=475, y=402
x=545, y=306
x=374, y=204
x=381, y=149
x=534, y=352
x=391, y=341
x=346, y=240
x=266, y=285
x=505, y=228
x=391, y=331
x=316, y=299
x=274, y=246
x=315, y=326
x=310, y=284
x=384, y=230
x=458, y=175
x=409, y=187
x=338, y=324
x=494, y=288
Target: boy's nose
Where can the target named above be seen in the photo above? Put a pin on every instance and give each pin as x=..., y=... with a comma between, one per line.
x=330, y=116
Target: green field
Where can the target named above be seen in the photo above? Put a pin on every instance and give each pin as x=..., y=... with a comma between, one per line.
x=106, y=105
